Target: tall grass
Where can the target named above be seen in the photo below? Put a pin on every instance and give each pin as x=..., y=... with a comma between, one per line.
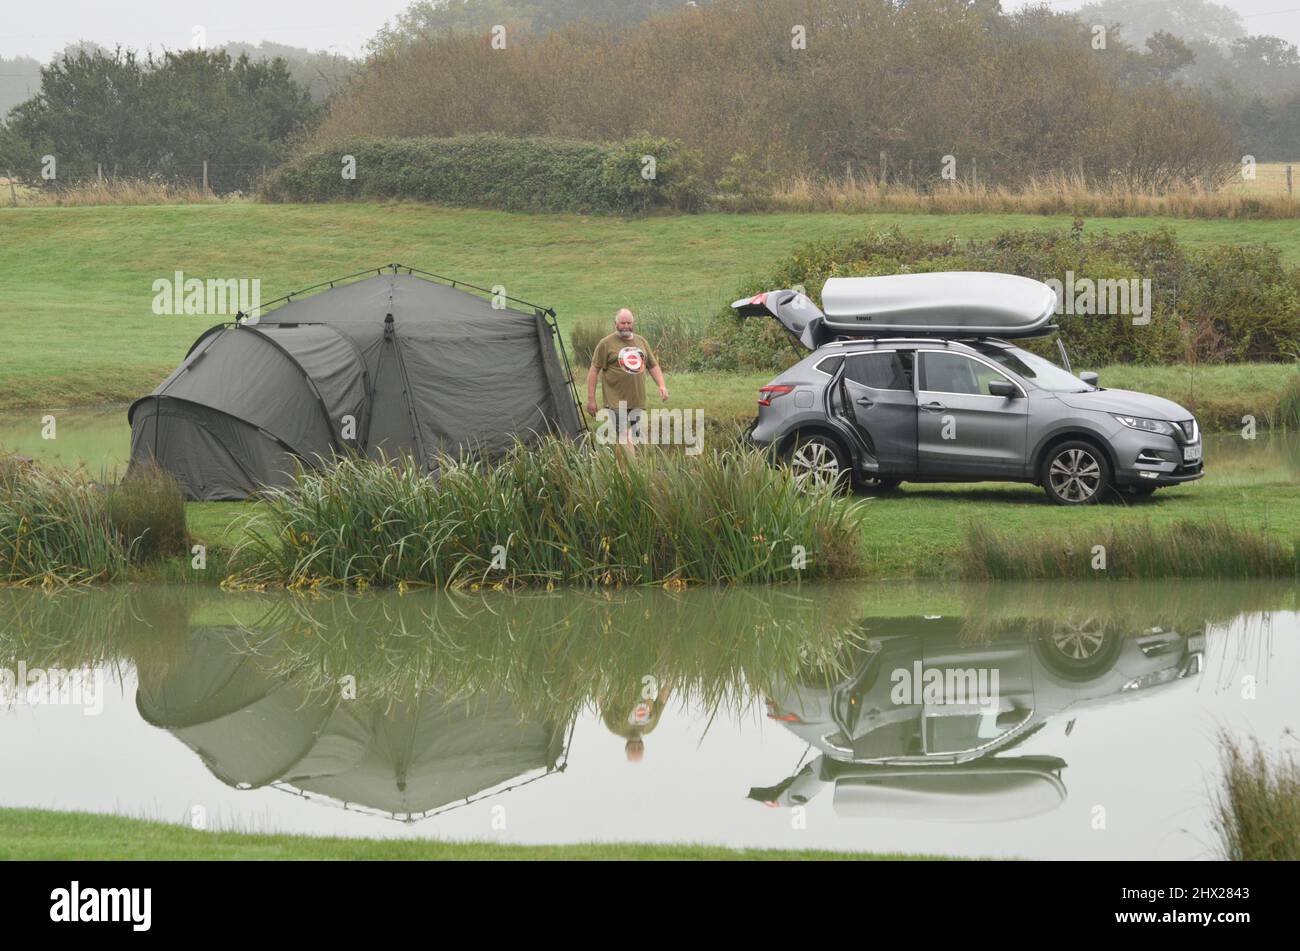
x=57, y=526
x=1053, y=194
x=1141, y=550
x=116, y=192
x=55, y=529
x=1257, y=807
x=558, y=513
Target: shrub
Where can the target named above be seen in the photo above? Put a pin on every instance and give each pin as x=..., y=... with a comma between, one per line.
x=494, y=171
x=1226, y=304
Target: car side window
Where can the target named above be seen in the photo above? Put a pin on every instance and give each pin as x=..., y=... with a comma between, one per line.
x=957, y=373
x=830, y=366
x=880, y=370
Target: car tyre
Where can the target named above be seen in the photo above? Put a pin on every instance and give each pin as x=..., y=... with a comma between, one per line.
x=818, y=461
x=1075, y=473
x=1079, y=650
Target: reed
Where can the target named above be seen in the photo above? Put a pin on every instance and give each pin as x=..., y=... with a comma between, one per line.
x=558, y=513
x=1257, y=807
x=1141, y=550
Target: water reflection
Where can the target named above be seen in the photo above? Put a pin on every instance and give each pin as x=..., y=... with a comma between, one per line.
x=914, y=702
x=923, y=723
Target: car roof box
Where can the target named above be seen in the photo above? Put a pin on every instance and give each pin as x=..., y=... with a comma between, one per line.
x=995, y=790
x=947, y=303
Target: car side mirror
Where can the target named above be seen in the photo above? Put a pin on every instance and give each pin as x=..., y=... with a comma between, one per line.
x=1089, y=378
x=1003, y=388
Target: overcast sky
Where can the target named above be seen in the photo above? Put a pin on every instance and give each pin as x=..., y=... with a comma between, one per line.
x=35, y=28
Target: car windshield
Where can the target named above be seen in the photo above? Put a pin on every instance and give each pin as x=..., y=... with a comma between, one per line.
x=1042, y=373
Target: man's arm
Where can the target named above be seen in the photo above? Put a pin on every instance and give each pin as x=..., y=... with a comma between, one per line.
x=591, y=390
x=658, y=375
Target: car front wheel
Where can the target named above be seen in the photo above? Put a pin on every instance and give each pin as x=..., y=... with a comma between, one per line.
x=1076, y=473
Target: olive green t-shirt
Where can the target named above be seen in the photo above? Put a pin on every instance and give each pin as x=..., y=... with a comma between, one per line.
x=623, y=365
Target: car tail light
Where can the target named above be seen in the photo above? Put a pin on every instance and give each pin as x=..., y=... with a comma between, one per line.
x=768, y=393
x=776, y=713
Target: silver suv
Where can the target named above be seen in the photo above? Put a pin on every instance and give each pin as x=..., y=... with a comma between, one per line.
x=952, y=402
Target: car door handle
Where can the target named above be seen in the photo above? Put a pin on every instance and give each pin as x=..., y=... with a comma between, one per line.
x=933, y=407
x=864, y=401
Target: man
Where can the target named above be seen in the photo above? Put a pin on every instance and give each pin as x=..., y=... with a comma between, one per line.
x=621, y=360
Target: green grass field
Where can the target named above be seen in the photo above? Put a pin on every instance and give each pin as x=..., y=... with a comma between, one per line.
x=77, y=282
x=45, y=835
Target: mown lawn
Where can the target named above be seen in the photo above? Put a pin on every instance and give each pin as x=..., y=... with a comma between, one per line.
x=77, y=282
x=39, y=834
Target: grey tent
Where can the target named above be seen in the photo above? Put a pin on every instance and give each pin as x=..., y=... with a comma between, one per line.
x=252, y=729
x=396, y=363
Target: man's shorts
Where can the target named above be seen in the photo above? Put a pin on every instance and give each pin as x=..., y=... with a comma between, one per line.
x=631, y=422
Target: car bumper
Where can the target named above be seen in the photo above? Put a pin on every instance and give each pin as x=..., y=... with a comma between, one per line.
x=1148, y=459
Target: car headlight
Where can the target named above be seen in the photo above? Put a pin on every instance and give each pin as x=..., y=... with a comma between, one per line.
x=1146, y=425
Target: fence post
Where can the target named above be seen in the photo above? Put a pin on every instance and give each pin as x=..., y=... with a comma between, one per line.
x=1288, y=180
x=13, y=189
x=99, y=172
x=974, y=172
x=205, y=174
x=884, y=167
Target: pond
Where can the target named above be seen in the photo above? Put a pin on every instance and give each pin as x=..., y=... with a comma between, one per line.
x=1041, y=721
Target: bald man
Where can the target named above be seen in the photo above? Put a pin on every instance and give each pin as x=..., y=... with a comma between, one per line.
x=621, y=361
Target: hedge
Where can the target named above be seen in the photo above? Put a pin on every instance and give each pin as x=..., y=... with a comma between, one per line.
x=492, y=171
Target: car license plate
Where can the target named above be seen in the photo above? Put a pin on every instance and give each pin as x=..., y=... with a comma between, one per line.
x=1192, y=453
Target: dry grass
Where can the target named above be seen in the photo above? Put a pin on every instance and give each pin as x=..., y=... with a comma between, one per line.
x=1052, y=195
x=121, y=192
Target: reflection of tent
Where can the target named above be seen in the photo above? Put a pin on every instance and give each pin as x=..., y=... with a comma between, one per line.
x=392, y=364
x=252, y=730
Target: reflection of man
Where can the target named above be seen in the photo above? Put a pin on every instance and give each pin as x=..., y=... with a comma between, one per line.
x=621, y=361
x=633, y=721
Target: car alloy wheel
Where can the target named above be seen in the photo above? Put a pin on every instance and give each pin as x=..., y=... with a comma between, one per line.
x=1076, y=475
x=816, y=464
x=1078, y=641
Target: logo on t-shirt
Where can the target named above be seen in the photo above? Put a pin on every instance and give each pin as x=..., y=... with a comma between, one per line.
x=631, y=359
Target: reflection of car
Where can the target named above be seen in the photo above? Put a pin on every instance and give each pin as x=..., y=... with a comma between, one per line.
x=912, y=378
x=918, y=724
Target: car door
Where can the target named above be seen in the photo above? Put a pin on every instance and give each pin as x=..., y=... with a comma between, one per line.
x=962, y=429
x=879, y=389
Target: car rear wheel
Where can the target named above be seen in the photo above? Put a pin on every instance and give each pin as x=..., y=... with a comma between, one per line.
x=1075, y=473
x=818, y=462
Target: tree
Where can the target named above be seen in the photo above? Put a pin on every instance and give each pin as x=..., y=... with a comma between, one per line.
x=161, y=118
